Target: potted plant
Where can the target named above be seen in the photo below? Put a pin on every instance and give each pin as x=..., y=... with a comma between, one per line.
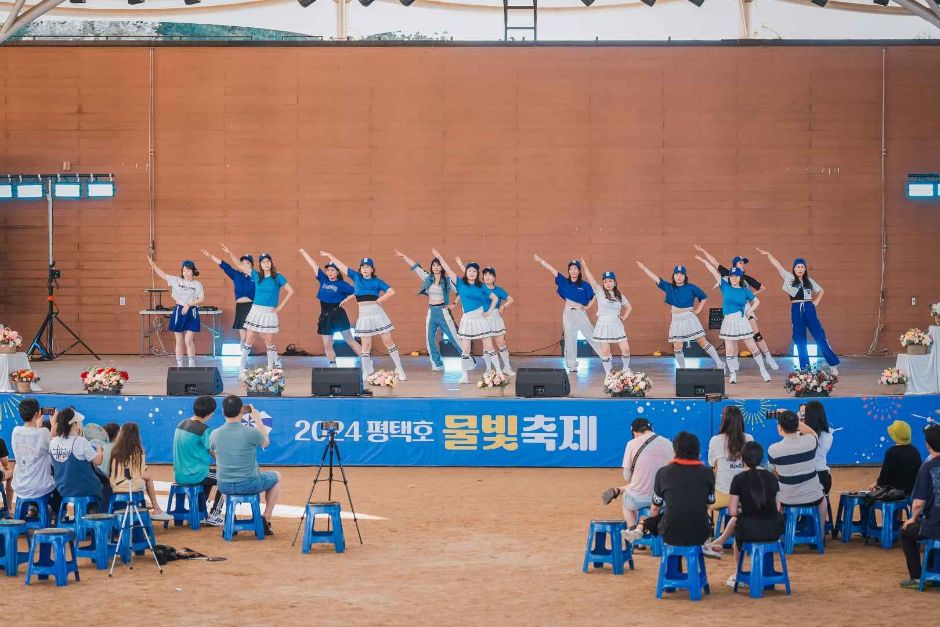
x=264, y=381
x=935, y=312
x=627, y=383
x=894, y=380
x=104, y=380
x=493, y=381
x=24, y=380
x=810, y=382
x=10, y=340
x=383, y=380
x=916, y=341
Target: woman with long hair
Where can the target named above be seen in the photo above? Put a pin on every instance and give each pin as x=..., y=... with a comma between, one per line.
x=74, y=459
x=815, y=419
x=495, y=318
x=262, y=318
x=609, y=329
x=736, y=298
x=436, y=285
x=805, y=294
x=333, y=293
x=685, y=325
x=184, y=320
x=578, y=295
x=473, y=324
x=242, y=275
x=724, y=452
x=128, y=453
x=371, y=292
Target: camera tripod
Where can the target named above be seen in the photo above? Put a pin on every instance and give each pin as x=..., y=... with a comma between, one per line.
x=127, y=526
x=331, y=449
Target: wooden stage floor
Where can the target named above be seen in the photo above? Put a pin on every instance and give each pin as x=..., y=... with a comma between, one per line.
x=858, y=376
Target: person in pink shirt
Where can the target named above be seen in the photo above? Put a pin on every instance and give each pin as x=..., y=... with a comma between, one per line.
x=644, y=455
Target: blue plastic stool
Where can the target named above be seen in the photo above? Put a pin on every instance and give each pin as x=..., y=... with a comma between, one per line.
x=186, y=503
x=930, y=569
x=233, y=525
x=654, y=543
x=846, y=525
x=101, y=528
x=802, y=528
x=53, y=559
x=41, y=520
x=890, y=528
x=598, y=553
x=119, y=501
x=10, y=555
x=333, y=535
x=672, y=577
x=80, y=505
x=720, y=525
x=762, y=575
x=133, y=538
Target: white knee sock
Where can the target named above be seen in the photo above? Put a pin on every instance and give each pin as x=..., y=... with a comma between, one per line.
x=605, y=361
x=366, y=361
x=494, y=361
x=243, y=362
x=466, y=364
x=272, y=355
x=192, y=361
x=179, y=361
x=393, y=353
x=708, y=348
x=759, y=358
x=625, y=360
x=680, y=358
x=486, y=360
x=732, y=363
x=504, y=353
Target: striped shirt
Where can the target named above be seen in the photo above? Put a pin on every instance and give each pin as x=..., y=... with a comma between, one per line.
x=794, y=459
x=797, y=290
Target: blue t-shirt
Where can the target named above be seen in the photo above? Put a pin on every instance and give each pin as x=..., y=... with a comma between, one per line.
x=927, y=488
x=333, y=292
x=473, y=297
x=244, y=283
x=372, y=286
x=569, y=290
x=734, y=298
x=682, y=296
x=501, y=294
x=267, y=289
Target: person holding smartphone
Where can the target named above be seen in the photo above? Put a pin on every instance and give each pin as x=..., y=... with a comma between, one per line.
x=32, y=475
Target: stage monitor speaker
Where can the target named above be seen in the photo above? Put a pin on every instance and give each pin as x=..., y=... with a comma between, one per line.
x=542, y=382
x=699, y=381
x=193, y=381
x=336, y=381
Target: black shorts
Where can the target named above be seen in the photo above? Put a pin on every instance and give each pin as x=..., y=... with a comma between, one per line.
x=241, y=312
x=333, y=319
x=758, y=529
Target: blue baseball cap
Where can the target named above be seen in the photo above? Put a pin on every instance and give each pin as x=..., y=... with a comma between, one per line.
x=331, y=265
x=367, y=261
x=574, y=262
x=798, y=261
x=609, y=275
x=250, y=259
x=192, y=266
x=489, y=270
x=680, y=269
x=264, y=256
x=735, y=261
x=473, y=264
x=736, y=271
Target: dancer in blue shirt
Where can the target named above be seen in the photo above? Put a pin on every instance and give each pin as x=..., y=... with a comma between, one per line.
x=578, y=296
x=497, y=324
x=242, y=280
x=609, y=327
x=333, y=292
x=262, y=317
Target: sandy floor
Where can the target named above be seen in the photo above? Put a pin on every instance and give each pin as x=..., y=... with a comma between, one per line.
x=469, y=546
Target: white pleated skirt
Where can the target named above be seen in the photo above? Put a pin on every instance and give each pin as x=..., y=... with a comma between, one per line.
x=497, y=324
x=372, y=320
x=685, y=326
x=474, y=326
x=735, y=327
x=609, y=330
x=262, y=319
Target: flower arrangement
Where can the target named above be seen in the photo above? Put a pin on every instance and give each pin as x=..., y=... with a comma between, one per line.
x=23, y=376
x=267, y=381
x=382, y=379
x=627, y=383
x=104, y=380
x=810, y=382
x=10, y=340
x=894, y=380
x=493, y=379
x=916, y=337
x=935, y=312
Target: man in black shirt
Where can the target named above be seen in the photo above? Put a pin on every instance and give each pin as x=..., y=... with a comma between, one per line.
x=682, y=492
x=926, y=502
x=901, y=462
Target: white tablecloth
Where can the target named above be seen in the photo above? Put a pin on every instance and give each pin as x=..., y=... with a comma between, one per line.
x=10, y=362
x=924, y=370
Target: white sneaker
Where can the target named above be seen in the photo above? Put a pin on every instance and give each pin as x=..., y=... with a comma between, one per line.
x=834, y=370
x=732, y=579
x=632, y=535
x=465, y=379
x=765, y=376
x=770, y=362
x=508, y=372
x=733, y=377
x=160, y=516
x=215, y=520
x=436, y=368
x=708, y=551
x=401, y=375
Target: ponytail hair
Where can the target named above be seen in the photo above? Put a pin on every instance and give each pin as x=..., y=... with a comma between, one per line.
x=758, y=486
x=62, y=426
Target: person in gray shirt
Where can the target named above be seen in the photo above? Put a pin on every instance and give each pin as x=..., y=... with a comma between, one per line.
x=794, y=461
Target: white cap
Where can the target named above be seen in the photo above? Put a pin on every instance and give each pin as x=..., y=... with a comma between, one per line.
x=78, y=418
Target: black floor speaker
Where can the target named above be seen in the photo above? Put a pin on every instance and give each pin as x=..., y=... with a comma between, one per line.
x=542, y=382
x=200, y=381
x=336, y=381
x=699, y=381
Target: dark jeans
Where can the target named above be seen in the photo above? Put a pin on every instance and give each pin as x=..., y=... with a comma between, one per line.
x=910, y=536
x=207, y=485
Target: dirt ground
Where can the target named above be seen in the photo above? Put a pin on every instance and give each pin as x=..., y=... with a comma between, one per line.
x=459, y=546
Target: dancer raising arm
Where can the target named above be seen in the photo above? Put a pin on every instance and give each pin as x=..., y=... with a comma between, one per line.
x=497, y=324
x=262, y=318
x=333, y=292
x=685, y=325
x=805, y=294
x=436, y=285
x=609, y=329
x=755, y=286
x=577, y=296
x=735, y=299
x=371, y=292
x=473, y=324
x=244, y=282
x=184, y=321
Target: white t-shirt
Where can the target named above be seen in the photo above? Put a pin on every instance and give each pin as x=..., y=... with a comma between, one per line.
x=718, y=458
x=79, y=446
x=185, y=292
x=822, y=451
x=657, y=454
x=32, y=475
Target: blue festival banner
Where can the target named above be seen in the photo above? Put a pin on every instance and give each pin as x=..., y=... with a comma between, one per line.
x=491, y=432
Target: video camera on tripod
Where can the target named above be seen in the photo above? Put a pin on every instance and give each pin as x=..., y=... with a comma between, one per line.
x=329, y=427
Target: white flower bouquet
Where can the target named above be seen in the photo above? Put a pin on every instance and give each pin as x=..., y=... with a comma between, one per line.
x=493, y=379
x=627, y=383
x=383, y=379
x=267, y=381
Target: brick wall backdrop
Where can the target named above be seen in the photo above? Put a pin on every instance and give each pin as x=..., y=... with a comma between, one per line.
x=614, y=154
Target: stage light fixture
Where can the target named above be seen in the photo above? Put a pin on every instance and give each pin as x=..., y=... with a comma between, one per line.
x=587, y=3
x=819, y=3
x=366, y=3
x=305, y=3
x=883, y=3
x=191, y=2
x=133, y=2
x=6, y=189
x=67, y=190
x=100, y=188
x=407, y=3
x=697, y=3
x=649, y=3
x=28, y=189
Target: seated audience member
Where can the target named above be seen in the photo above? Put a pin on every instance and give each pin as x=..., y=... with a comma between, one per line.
x=926, y=495
x=815, y=419
x=74, y=460
x=128, y=453
x=753, y=499
x=192, y=457
x=32, y=475
x=682, y=492
x=794, y=461
x=5, y=475
x=643, y=456
x=112, y=429
x=901, y=461
x=724, y=452
x=235, y=446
